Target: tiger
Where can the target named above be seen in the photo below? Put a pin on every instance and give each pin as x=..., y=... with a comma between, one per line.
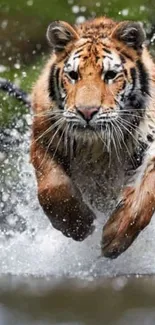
x=93, y=131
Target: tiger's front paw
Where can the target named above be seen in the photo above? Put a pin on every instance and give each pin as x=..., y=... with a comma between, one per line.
x=79, y=228
x=130, y=216
x=73, y=218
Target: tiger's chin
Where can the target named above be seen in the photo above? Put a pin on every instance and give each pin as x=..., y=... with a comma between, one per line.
x=91, y=138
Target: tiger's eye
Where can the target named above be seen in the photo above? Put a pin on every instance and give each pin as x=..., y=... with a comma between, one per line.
x=110, y=75
x=73, y=75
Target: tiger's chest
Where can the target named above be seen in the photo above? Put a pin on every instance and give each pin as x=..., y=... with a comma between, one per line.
x=101, y=181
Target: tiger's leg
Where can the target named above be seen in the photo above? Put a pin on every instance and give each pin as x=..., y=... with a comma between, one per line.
x=60, y=200
x=134, y=211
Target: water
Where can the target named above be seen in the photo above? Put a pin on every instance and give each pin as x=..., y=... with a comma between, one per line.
x=46, y=278
x=43, y=249
x=43, y=301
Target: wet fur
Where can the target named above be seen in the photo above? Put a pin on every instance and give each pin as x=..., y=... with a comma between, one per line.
x=75, y=164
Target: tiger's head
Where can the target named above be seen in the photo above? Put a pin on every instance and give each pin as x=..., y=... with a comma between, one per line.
x=98, y=76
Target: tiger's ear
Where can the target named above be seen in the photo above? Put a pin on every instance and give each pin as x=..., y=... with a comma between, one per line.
x=59, y=34
x=130, y=33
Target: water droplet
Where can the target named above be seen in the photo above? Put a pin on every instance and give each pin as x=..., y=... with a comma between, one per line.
x=125, y=12
x=75, y=9
x=30, y=3
x=80, y=20
x=83, y=9
x=4, y=24
x=98, y=4
x=17, y=66
x=2, y=68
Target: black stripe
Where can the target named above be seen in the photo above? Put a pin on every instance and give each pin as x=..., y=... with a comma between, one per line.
x=106, y=50
x=77, y=57
x=124, y=85
x=57, y=71
x=118, y=77
x=106, y=56
x=134, y=77
x=51, y=86
x=78, y=51
x=127, y=56
x=122, y=58
x=66, y=60
x=125, y=72
x=57, y=85
x=143, y=77
x=54, y=85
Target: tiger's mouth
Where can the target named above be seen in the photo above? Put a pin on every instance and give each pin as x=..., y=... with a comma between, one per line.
x=90, y=118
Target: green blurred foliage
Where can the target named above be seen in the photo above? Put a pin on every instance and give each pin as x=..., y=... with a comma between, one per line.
x=24, y=78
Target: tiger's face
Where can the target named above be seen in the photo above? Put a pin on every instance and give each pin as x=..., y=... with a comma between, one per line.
x=93, y=76
x=99, y=77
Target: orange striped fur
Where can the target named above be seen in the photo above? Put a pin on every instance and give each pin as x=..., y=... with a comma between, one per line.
x=93, y=134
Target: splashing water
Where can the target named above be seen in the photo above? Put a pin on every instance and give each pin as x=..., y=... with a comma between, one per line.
x=28, y=242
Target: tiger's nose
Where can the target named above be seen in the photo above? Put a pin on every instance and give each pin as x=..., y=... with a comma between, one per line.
x=87, y=112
